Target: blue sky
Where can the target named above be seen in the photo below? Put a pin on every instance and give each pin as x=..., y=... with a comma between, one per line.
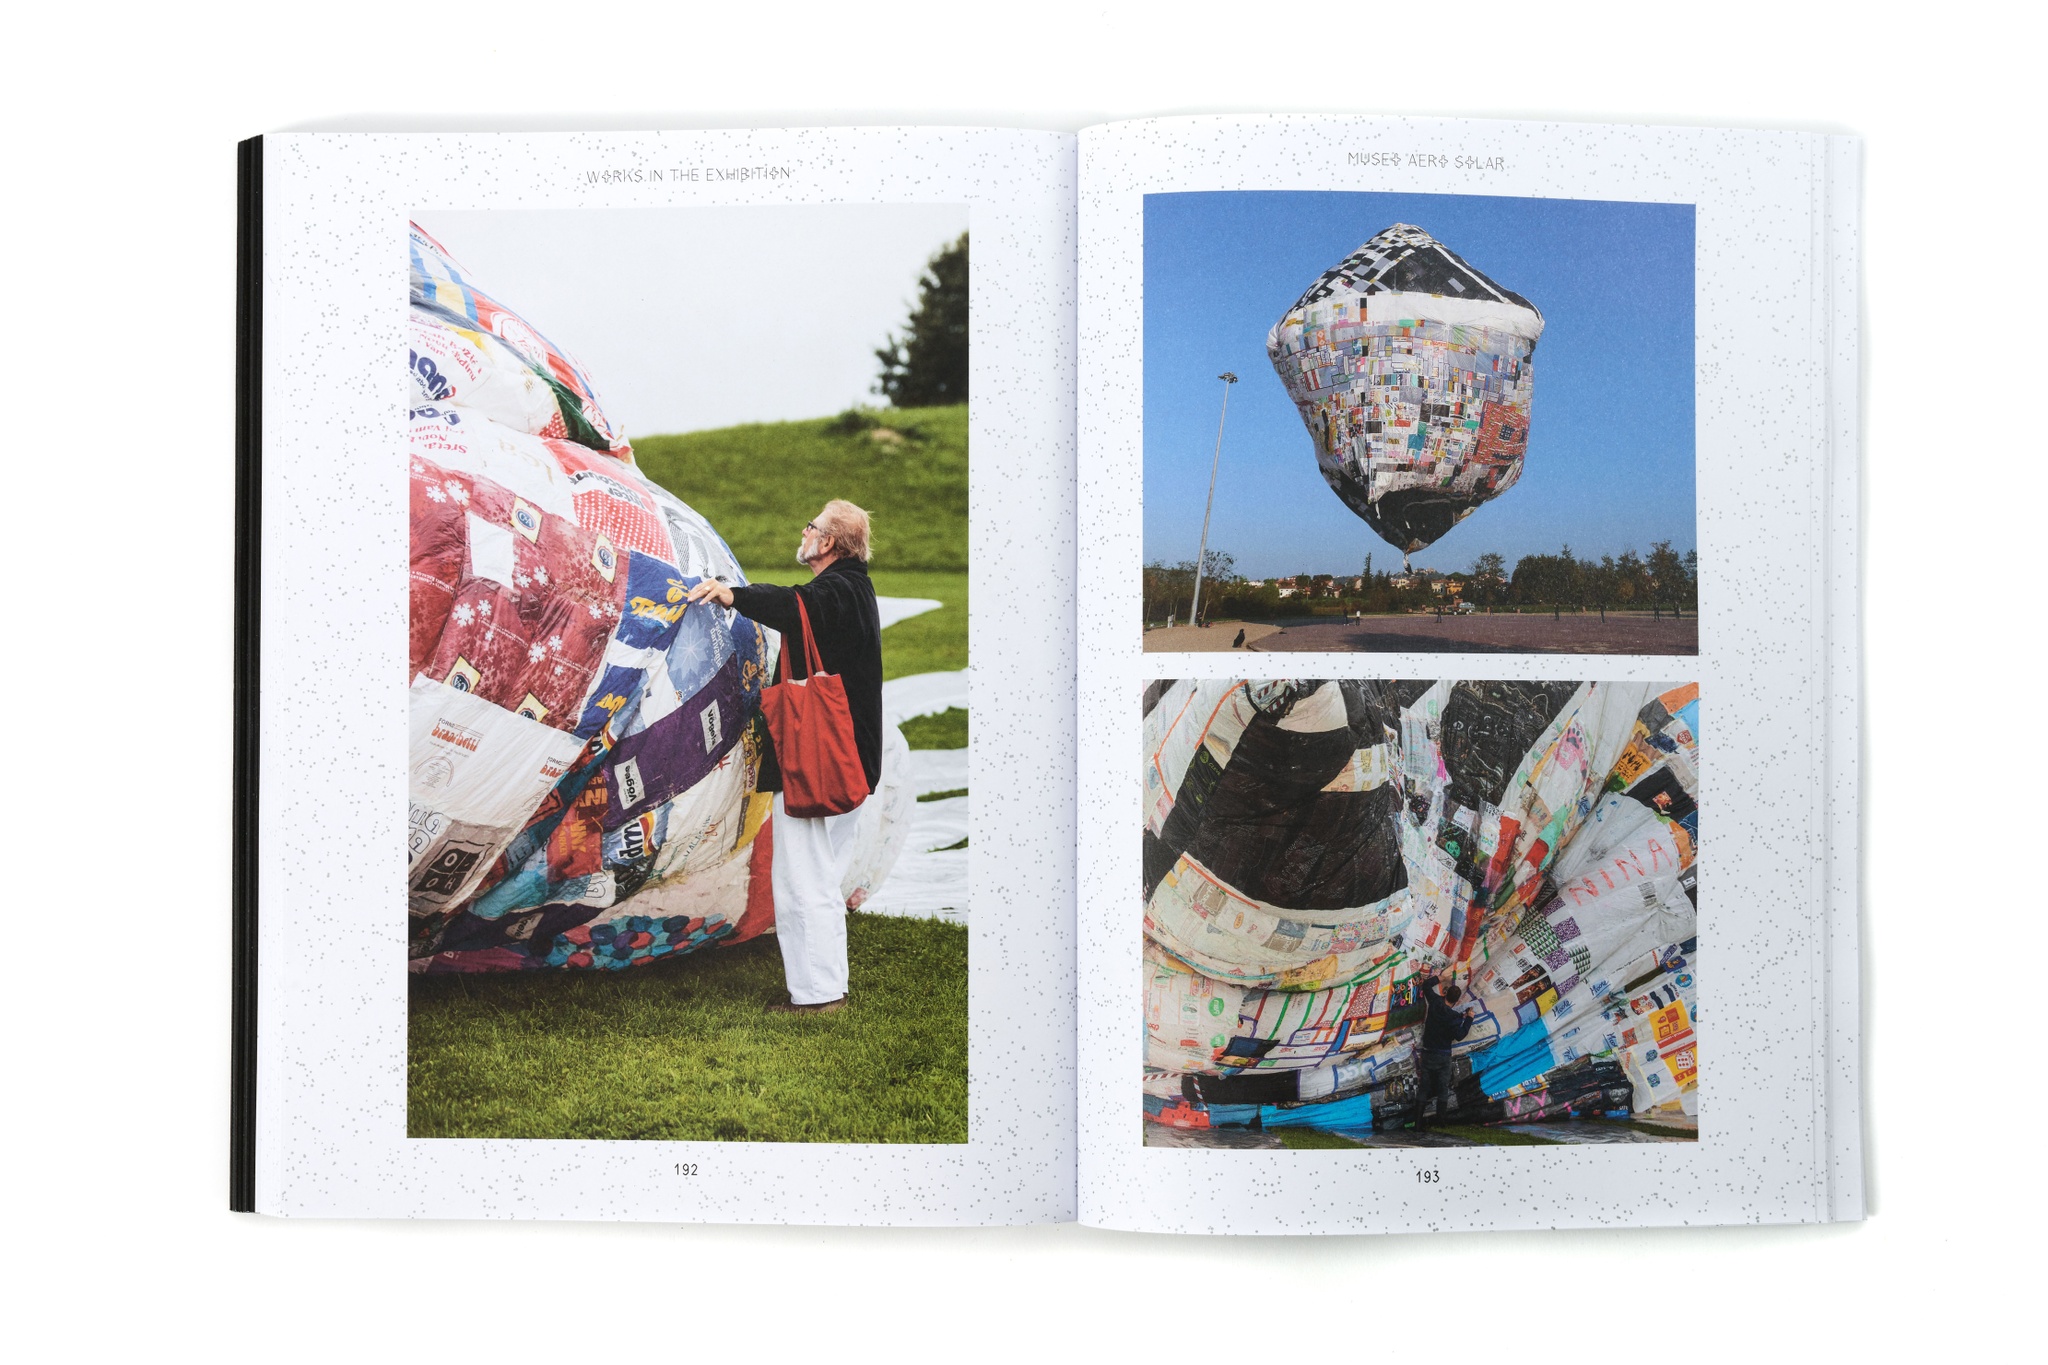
x=1610, y=459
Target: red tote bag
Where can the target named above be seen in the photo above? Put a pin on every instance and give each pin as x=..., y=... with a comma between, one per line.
x=812, y=727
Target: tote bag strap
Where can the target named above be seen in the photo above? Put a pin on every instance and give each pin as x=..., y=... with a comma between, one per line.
x=813, y=663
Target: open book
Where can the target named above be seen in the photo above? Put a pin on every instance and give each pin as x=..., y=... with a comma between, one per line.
x=1336, y=578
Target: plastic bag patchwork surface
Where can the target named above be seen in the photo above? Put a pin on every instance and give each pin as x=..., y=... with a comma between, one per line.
x=1539, y=838
x=1413, y=373
x=585, y=743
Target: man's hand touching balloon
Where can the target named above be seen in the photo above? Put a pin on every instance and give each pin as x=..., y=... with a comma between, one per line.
x=711, y=590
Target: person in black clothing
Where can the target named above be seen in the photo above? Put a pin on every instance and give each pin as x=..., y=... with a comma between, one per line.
x=811, y=856
x=1443, y=1026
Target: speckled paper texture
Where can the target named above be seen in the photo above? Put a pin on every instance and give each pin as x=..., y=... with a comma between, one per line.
x=1775, y=381
x=332, y=1055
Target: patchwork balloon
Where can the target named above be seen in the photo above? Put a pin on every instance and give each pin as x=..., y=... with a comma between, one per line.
x=1413, y=373
x=1310, y=848
x=584, y=742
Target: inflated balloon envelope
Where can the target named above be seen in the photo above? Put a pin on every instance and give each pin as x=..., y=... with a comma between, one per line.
x=1412, y=371
x=584, y=741
x=1309, y=846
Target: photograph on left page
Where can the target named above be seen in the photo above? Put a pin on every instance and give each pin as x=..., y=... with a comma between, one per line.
x=688, y=812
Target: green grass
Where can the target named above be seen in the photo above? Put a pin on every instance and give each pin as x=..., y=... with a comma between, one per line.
x=930, y=642
x=683, y=1050
x=1310, y=1140
x=758, y=484
x=1494, y=1137
x=946, y=730
x=1655, y=1129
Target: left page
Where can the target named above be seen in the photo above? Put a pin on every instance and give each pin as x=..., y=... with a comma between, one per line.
x=550, y=425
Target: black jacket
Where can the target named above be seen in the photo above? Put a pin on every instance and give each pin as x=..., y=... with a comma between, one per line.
x=847, y=625
x=1443, y=1024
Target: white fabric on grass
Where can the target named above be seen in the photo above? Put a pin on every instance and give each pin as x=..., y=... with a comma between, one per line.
x=895, y=609
x=929, y=879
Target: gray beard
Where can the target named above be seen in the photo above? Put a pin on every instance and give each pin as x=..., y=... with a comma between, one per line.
x=800, y=555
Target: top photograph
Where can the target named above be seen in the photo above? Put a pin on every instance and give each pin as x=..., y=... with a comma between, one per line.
x=1419, y=423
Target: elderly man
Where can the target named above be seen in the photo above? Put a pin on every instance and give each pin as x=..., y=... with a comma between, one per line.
x=811, y=856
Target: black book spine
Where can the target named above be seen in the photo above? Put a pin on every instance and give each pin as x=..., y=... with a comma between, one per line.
x=248, y=623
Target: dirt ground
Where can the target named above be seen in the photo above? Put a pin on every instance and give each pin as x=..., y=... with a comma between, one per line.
x=1631, y=633
x=1215, y=638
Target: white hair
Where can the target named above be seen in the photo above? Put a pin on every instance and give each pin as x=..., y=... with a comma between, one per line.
x=848, y=527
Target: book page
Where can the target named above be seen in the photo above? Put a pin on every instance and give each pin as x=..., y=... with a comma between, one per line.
x=551, y=923
x=1470, y=523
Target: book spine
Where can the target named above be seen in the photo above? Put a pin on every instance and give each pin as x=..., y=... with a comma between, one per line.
x=248, y=571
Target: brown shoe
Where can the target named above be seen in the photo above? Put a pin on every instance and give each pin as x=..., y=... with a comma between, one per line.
x=827, y=1007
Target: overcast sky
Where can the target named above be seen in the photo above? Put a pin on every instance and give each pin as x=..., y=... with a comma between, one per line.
x=705, y=317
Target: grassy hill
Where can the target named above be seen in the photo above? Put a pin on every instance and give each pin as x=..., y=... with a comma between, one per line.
x=759, y=483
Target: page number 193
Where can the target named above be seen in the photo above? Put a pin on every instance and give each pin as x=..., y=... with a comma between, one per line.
x=1429, y=1175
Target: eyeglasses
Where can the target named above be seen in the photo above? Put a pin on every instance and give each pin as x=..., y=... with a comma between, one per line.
x=813, y=526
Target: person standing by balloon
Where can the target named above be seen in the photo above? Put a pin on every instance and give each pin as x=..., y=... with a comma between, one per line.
x=1444, y=1025
x=811, y=855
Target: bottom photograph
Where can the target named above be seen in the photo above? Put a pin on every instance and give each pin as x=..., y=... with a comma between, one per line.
x=1420, y=913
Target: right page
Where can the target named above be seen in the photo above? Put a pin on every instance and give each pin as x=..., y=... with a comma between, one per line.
x=1470, y=527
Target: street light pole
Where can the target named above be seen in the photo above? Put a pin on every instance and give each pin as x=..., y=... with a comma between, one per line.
x=1195, y=612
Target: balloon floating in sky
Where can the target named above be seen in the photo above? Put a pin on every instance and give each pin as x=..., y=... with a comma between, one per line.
x=1413, y=373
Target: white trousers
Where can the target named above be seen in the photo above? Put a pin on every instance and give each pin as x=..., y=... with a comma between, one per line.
x=809, y=862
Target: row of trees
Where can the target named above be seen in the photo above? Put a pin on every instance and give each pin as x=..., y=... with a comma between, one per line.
x=1662, y=580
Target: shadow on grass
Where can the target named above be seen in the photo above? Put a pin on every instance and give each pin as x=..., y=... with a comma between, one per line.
x=685, y=1051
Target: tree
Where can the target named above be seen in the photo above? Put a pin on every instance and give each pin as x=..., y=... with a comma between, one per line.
x=1168, y=588
x=1630, y=582
x=1490, y=574
x=1571, y=580
x=927, y=365
x=1667, y=573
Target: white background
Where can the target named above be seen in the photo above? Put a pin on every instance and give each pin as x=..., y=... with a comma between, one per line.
x=119, y=162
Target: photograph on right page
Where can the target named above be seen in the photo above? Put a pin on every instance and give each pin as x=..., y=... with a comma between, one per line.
x=1420, y=913
x=1419, y=423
